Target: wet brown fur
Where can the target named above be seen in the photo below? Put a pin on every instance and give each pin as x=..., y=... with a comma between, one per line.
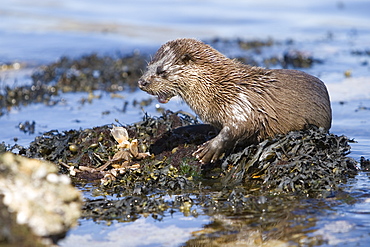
x=244, y=102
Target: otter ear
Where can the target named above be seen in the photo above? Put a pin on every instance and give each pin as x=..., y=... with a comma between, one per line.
x=186, y=58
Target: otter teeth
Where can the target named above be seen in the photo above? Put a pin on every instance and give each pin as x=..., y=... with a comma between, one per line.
x=162, y=98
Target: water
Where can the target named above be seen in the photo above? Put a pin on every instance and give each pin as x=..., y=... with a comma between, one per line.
x=172, y=231
x=40, y=32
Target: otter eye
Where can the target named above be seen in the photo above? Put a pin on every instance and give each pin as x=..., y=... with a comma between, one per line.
x=186, y=58
x=160, y=71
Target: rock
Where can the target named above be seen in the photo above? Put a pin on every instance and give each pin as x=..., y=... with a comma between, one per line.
x=38, y=196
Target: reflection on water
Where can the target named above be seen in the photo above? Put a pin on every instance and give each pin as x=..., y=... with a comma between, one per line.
x=349, y=223
x=336, y=32
x=142, y=232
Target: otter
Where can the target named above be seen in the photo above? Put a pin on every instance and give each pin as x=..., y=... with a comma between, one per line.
x=247, y=104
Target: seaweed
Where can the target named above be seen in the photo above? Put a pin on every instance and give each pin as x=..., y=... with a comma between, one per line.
x=306, y=162
x=85, y=74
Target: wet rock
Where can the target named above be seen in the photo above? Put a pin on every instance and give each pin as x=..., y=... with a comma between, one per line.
x=84, y=74
x=292, y=58
x=96, y=146
x=40, y=199
x=365, y=164
x=24, y=95
x=306, y=162
x=297, y=59
x=255, y=44
x=92, y=72
x=13, y=234
x=4, y=147
x=124, y=210
x=365, y=52
x=27, y=127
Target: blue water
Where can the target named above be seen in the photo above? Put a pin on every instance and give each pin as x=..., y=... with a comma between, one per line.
x=38, y=32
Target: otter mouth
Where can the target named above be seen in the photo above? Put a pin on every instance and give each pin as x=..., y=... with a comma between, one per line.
x=163, y=98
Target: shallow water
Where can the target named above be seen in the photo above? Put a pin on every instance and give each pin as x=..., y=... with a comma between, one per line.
x=39, y=32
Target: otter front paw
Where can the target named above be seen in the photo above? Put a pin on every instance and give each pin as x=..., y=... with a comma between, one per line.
x=209, y=152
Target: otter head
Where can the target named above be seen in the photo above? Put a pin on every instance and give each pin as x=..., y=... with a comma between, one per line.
x=165, y=72
x=174, y=64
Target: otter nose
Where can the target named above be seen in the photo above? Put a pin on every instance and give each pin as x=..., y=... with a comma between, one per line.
x=142, y=83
